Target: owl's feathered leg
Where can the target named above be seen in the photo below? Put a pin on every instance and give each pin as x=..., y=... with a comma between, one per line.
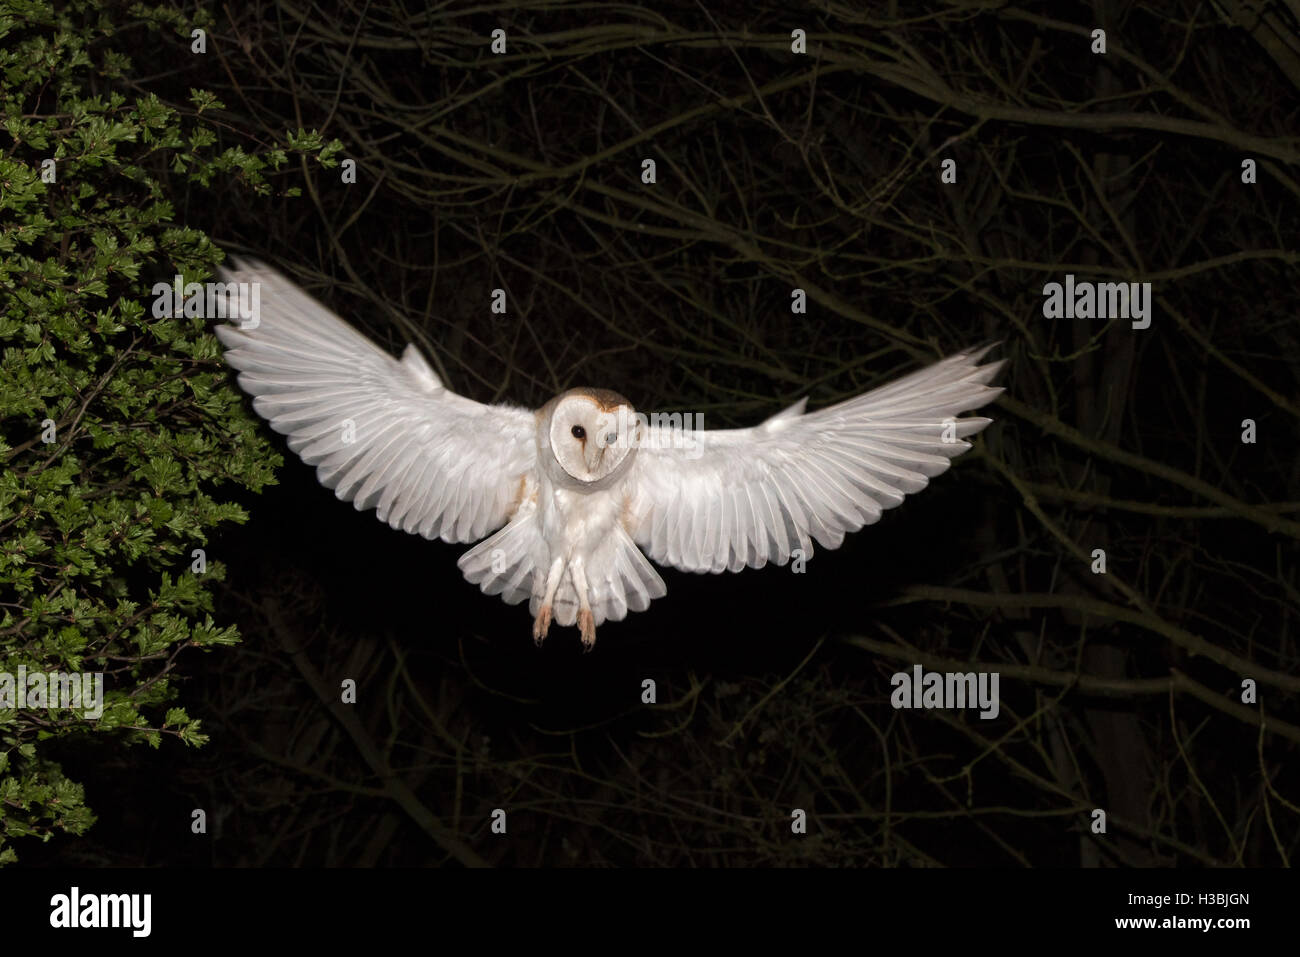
x=586, y=621
x=542, y=623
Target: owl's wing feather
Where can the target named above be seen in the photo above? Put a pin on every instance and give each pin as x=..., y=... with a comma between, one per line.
x=383, y=433
x=715, y=500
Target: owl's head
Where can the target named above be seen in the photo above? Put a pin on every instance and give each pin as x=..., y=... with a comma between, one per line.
x=592, y=433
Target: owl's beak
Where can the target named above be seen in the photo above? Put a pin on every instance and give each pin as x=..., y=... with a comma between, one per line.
x=592, y=454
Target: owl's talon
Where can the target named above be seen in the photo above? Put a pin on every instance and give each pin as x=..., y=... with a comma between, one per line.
x=587, y=626
x=541, y=625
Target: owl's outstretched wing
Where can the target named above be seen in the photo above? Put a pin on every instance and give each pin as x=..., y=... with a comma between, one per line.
x=723, y=499
x=383, y=433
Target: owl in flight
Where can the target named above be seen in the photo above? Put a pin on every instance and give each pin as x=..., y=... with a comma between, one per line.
x=580, y=491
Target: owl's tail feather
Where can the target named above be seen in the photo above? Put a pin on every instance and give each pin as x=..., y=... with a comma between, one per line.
x=619, y=579
x=513, y=564
x=504, y=563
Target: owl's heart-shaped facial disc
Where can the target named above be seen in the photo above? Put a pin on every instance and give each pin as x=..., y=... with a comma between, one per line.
x=592, y=433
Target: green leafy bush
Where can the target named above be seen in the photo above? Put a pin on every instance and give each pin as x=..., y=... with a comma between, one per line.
x=120, y=438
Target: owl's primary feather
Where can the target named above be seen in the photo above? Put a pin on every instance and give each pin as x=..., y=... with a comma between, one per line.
x=750, y=496
x=573, y=488
x=383, y=433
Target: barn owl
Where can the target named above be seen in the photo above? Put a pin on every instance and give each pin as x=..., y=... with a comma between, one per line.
x=579, y=492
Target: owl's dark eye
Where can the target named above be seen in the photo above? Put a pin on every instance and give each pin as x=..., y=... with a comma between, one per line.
x=578, y=432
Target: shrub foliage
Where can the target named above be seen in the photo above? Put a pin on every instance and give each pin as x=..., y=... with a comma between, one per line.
x=121, y=438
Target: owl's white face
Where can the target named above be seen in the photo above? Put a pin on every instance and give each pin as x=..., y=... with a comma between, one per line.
x=592, y=434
